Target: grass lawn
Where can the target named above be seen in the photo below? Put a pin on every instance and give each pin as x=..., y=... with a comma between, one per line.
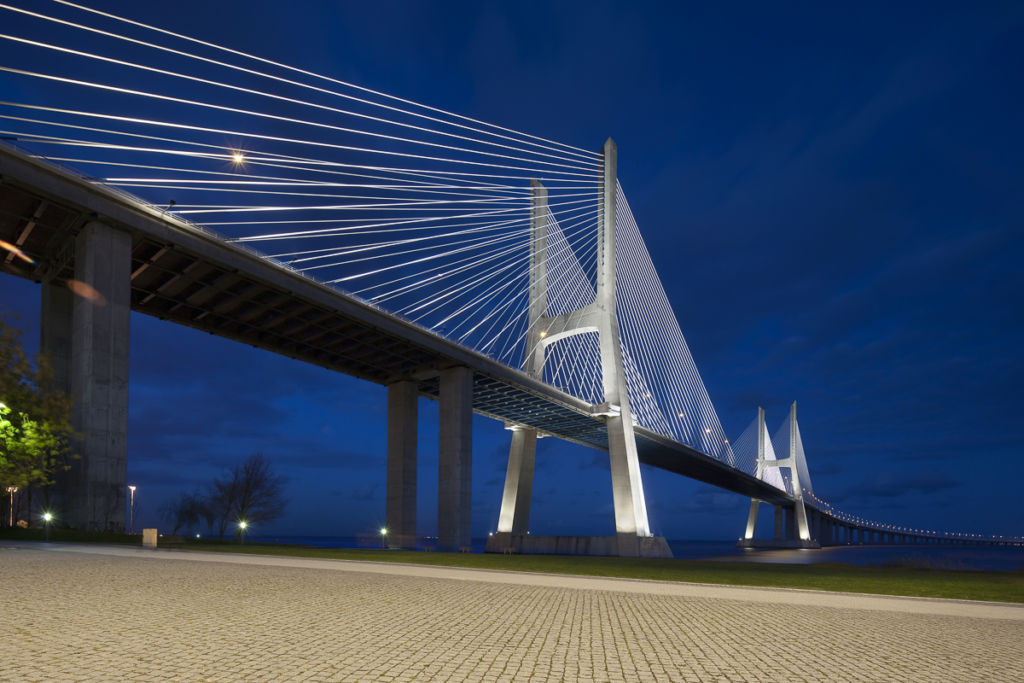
x=934, y=583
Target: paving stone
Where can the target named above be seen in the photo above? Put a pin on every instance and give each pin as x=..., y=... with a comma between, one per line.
x=74, y=616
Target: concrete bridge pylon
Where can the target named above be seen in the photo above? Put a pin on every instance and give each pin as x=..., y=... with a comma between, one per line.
x=796, y=530
x=633, y=534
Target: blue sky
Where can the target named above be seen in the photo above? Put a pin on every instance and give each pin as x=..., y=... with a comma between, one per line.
x=830, y=194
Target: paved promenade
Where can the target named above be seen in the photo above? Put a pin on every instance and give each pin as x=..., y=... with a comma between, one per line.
x=71, y=613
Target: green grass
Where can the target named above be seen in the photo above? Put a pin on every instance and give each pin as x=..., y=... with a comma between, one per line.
x=910, y=581
x=932, y=583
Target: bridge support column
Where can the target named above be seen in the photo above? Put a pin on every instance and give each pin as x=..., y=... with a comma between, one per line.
x=514, y=517
x=455, y=459
x=400, y=512
x=778, y=522
x=86, y=337
x=748, y=534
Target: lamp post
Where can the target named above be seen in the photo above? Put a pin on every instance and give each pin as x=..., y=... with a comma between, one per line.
x=11, y=490
x=131, y=508
x=242, y=524
x=383, y=537
x=47, y=518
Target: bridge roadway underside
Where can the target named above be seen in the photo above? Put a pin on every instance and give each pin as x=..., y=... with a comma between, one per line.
x=190, y=276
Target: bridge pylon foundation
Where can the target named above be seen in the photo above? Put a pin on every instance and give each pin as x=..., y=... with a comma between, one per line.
x=621, y=545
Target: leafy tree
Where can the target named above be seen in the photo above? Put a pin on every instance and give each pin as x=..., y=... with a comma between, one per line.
x=35, y=418
x=250, y=491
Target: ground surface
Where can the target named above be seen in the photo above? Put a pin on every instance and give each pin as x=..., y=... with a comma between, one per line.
x=100, y=613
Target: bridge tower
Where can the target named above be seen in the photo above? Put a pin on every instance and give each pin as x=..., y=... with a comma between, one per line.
x=798, y=533
x=633, y=534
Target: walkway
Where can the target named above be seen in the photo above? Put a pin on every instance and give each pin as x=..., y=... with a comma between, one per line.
x=83, y=612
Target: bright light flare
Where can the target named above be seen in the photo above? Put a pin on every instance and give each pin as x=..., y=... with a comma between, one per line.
x=243, y=524
x=87, y=292
x=17, y=252
x=383, y=531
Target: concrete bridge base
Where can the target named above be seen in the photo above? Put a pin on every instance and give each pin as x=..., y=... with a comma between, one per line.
x=776, y=543
x=623, y=545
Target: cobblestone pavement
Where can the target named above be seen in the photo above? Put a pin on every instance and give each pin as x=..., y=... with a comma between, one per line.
x=68, y=613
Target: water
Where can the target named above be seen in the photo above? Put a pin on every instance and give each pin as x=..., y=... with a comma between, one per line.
x=974, y=558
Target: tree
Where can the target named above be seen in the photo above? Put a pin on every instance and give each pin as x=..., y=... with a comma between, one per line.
x=249, y=492
x=187, y=511
x=35, y=418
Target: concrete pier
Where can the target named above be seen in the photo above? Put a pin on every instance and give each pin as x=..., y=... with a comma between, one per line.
x=86, y=337
x=515, y=501
x=400, y=511
x=455, y=459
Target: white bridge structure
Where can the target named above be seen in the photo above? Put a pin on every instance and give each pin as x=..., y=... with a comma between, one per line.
x=495, y=271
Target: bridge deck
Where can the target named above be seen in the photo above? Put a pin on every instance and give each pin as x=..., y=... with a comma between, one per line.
x=190, y=276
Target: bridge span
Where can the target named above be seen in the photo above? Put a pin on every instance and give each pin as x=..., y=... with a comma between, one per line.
x=140, y=258
x=495, y=271
x=176, y=271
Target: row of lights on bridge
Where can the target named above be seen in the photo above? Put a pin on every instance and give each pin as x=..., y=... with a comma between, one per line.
x=878, y=526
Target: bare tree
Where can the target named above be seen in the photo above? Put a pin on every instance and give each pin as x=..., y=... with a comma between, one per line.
x=187, y=511
x=221, y=501
x=250, y=492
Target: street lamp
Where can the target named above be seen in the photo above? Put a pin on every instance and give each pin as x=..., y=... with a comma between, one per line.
x=47, y=518
x=11, y=490
x=242, y=524
x=131, y=507
x=383, y=536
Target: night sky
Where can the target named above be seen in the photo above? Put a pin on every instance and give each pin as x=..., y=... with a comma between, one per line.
x=832, y=196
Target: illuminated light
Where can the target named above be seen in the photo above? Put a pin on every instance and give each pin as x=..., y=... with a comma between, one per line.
x=707, y=430
x=47, y=517
x=383, y=531
x=87, y=292
x=237, y=158
x=680, y=416
x=543, y=333
x=197, y=535
x=17, y=252
x=243, y=524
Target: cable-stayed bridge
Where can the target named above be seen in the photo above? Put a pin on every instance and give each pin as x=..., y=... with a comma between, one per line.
x=495, y=271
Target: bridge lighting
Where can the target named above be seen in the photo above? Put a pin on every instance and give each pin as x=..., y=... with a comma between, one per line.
x=17, y=252
x=47, y=518
x=543, y=333
x=237, y=158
